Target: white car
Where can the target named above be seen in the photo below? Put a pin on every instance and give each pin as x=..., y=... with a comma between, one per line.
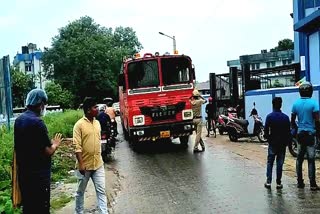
x=116, y=108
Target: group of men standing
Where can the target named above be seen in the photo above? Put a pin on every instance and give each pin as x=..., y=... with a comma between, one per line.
x=306, y=129
x=279, y=130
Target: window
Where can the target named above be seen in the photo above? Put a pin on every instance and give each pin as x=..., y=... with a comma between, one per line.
x=309, y=3
x=143, y=74
x=253, y=66
x=268, y=64
x=175, y=70
x=27, y=67
x=257, y=65
x=273, y=64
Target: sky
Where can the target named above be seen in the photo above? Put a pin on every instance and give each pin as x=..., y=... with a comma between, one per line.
x=211, y=32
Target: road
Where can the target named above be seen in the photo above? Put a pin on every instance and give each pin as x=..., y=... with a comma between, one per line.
x=226, y=178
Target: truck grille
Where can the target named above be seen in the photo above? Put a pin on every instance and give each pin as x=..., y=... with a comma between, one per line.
x=164, y=112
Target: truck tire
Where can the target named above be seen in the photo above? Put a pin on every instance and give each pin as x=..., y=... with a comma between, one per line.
x=184, y=141
x=125, y=133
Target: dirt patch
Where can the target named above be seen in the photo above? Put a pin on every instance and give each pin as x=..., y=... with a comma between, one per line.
x=113, y=187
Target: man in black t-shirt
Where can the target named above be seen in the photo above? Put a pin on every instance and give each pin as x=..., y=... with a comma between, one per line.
x=210, y=115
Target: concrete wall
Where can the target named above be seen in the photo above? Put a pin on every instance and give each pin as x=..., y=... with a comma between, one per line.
x=263, y=100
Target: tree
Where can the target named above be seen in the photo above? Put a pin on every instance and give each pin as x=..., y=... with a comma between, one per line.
x=277, y=84
x=59, y=96
x=85, y=58
x=283, y=45
x=21, y=84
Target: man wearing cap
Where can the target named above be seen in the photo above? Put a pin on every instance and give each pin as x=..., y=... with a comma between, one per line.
x=33, y=154
x=196, y=101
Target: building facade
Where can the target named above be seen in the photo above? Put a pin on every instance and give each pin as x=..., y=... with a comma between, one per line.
x=29, y=62
x=266, y=65
x=306, y=16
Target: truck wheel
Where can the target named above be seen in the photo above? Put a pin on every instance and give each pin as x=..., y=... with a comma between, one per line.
x=184, y=141
x=125, y=133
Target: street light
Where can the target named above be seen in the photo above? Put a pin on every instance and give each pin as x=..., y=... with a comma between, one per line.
x=174, y=41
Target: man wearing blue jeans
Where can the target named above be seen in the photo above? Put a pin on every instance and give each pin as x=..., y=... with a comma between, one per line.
x=277, y=131
x=307, y=111
x=86, y=140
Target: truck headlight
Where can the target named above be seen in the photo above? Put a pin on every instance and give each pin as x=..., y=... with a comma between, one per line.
x=138, y=120
x=187, y=114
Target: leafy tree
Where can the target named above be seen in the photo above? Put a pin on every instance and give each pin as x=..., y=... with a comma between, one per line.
x=277, y=84
x=21, y=84
x=85, y=58
x=283, y=45
x=59, y=96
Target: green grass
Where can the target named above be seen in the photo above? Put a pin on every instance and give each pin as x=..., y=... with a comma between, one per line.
x=61, y=201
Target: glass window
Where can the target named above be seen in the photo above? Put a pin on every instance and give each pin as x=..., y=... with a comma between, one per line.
x=257, y=65
x=309, y=3
x=175, y=70
x=143, y=74
x=317, y=4
x=253, y=66
x=268, y=64
x=273, y=64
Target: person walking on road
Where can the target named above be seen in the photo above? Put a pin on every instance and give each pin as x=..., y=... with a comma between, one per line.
x=307, y=111
x=86, y=139
x=33, y=150
x=196, y=101
x=210, y=117
x=277, y=132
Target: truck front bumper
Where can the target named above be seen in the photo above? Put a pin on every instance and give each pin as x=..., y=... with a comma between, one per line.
x=162, y=131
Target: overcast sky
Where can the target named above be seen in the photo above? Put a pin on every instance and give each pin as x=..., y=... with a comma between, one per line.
x=209, y=31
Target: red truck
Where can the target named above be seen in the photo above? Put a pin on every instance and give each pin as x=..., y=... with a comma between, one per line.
x=154, y=92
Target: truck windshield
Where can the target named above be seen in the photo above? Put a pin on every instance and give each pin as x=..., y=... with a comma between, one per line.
x=143, y=74
x=175, y=70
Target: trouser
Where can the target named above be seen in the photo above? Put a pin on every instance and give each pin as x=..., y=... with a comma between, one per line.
x=98, y=179
x=35, y=191
x=209, y=124
x=310, y=150
x=279, y=155
x=198, y=127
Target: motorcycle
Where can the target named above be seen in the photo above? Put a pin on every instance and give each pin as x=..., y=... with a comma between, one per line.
x=108, y=134
x=238, y=128
x=223, y=119
x=293, y=145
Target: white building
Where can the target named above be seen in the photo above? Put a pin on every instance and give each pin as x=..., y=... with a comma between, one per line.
x=29, y=62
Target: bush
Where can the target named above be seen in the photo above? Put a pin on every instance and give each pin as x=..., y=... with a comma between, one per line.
x=63, y=160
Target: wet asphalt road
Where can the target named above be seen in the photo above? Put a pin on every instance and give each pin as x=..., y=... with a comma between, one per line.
x=163, y=178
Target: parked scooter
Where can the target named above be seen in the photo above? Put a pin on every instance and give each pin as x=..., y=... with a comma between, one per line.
x=223, y=119
x=238, y=128
x=293, y=145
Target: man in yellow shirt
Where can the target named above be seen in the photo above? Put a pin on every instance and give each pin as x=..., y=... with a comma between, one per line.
x=86, y=140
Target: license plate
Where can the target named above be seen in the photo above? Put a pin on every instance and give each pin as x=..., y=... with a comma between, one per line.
x=103, y=141
x=164, y=134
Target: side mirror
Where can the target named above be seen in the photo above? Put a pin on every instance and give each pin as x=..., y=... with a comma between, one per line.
x=193, y=72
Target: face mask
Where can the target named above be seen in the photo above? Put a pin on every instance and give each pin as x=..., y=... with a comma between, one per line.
x=43, y=111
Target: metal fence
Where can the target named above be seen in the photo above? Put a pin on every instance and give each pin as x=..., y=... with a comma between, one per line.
x=5, y=92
